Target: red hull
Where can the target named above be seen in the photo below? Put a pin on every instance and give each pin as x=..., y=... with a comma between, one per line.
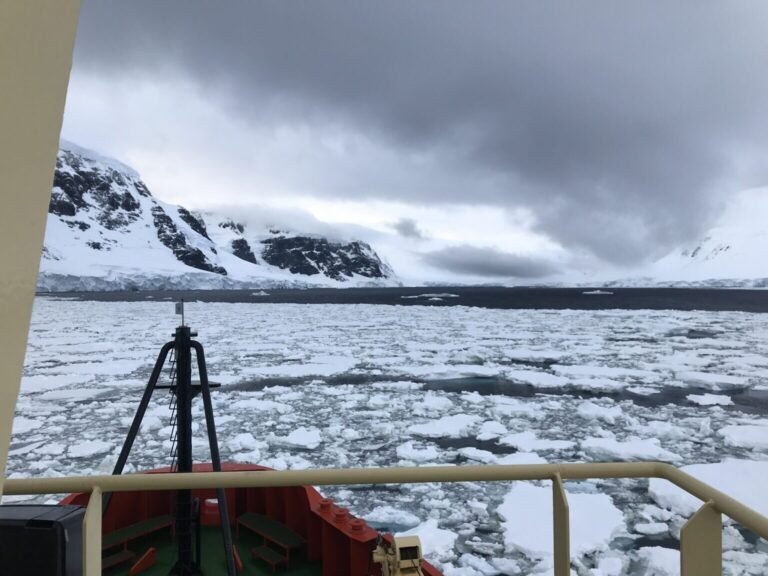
x=342, y=542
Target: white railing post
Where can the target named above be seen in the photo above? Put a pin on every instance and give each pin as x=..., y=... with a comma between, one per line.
x=701, y=543
x=561, y=528
x=92, y=535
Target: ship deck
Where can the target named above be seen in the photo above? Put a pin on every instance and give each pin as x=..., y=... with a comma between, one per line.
x=212, y=553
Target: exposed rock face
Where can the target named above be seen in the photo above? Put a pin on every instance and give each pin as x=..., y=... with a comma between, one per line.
x=242, y=250
x=234, y=226
x=105, y=227
x=170, y=236
x=77, y=186
x=310, y=256
x=195, y=223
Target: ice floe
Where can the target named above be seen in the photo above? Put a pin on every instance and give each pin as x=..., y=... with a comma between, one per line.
x=527, y=515
x=737, y=478
x=357, y=386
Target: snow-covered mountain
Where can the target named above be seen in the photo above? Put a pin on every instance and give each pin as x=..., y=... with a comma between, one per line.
x=732, y=254
x=106, y=231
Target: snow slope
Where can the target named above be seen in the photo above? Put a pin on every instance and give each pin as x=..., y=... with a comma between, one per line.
x=732, y=253
x=105, y=230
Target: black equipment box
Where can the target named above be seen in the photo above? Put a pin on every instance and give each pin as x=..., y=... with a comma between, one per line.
x=41, y=540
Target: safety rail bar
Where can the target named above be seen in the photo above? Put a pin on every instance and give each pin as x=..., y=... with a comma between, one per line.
x=700, y=538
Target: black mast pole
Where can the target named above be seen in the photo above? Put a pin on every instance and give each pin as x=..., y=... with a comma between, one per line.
x=185, y=565
x=210, y=423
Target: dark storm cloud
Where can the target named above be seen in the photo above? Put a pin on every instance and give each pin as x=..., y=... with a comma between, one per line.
x=408, y=228
x=620, y=124
x=487, y=262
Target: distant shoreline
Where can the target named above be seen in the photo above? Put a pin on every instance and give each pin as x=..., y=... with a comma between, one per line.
x=518, y=298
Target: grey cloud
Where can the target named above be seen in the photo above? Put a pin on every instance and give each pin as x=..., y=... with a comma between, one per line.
x=408, y=228
x=616, y=123
x=488, y=262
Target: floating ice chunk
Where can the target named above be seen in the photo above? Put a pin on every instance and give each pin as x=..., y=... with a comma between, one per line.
x=26, y=449
x=454, y=426
x=606, y=371
x=712, y=380
x=600, y=383
x=89, y=448
x=472, y=397
x=597, y=292
x=471, y=453
x=740, y=479
x=537, y=378
x=660, y=561
x=592, y=411
x=22, y=425
x=71, y=395
x=710, y=399
x=663, y=429
x=244, y=441
x=612, y=564
x=491, y=429
x=39, y=382
x=436, y=543
x=259, y=405
x=308, y=438
x=392, y=516
x=748, y=436
x=521, y=458
x=752, y=563
x=527, y=441
x=632, y=449
x=514, y=407
x=480, y=566
x=651, y=528
x=408, y=451
x=506, y=565
x=642, y=390
x=432, y=403
x=52, y=449
x=252, y=457
x=287, y=462
x=527, y=514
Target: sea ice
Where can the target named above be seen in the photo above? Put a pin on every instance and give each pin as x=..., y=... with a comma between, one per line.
x=436, y=543
x=748, y=436
x=389, y=515
x=307, y=438
x=528, y=441
x=409, y=452
x=658, y=561
x=447, y=427
x=87, y=448
x=592, y=411
x=631, y=449
x=737, y=478
x=22, y=425
x=710, y=399
x=527, y=515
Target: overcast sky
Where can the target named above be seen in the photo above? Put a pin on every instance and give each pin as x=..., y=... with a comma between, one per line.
x=494, y=139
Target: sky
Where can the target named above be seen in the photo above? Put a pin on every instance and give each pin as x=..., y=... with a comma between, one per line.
x=489, y=140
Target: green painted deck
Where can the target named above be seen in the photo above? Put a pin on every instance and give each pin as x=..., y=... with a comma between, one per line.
x=213, y=562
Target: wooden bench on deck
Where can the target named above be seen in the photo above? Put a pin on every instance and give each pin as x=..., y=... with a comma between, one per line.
x=271, y=557
x=274, y=532
x=126, y=534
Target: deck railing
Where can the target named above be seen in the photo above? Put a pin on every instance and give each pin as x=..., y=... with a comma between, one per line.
x=700, y=538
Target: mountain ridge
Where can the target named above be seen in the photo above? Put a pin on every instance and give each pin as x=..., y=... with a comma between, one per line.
x=106, y=231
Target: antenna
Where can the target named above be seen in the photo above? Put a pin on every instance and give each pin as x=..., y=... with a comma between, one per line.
x=180, y=310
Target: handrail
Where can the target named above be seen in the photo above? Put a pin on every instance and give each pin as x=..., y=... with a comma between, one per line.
x=396, y=475
x=704, y=526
